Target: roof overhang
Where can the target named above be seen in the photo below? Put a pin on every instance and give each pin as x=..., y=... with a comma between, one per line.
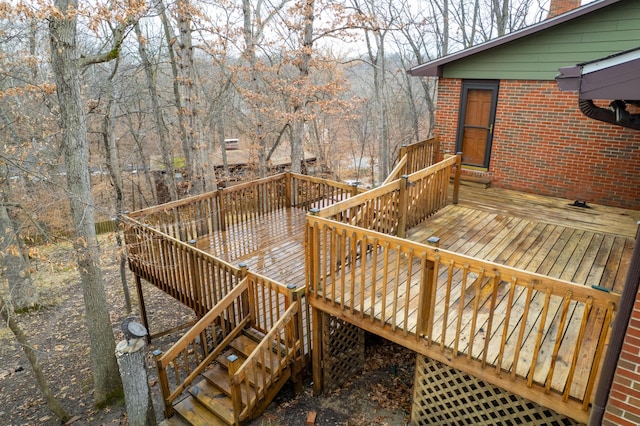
x=435, y=68
x=614, y=77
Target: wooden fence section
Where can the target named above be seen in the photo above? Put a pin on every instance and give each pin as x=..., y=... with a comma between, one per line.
x=532, y=334
x=403, y=203
x=419, y=155
x=307, y=192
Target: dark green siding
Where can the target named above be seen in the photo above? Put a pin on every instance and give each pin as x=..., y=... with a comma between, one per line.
x=538, y=56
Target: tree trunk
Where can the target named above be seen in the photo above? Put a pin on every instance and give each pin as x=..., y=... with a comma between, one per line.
x=52, y=402
x=168, y=34
x=64, y=57
x=137, y=395
x=195, y=169
x=166, y=149
x=24, y=294
x=300, y=107
x=113, y=165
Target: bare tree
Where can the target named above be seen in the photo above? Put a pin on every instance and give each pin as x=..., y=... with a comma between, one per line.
x=67, y=63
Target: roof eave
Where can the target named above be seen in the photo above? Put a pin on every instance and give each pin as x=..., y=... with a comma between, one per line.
x=435, y=68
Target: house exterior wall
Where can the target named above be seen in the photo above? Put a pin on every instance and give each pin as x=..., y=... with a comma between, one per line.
x=543, y=144
x=538, y=57
x=623, y=407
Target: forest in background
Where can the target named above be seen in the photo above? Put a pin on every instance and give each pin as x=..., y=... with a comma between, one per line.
x=98, y=98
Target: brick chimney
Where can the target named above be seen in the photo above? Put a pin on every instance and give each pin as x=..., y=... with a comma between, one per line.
x=558, y=7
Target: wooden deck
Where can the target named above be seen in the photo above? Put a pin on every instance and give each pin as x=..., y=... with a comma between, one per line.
x=273, y=246
x=534, y=233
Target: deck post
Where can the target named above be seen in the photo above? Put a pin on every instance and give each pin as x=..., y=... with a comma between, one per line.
x=142, y=307
x=198, y=307
x=221, y=209
x=354, y=189
x=456, y=180
x=316, y=351
x=296, y=336
x=403, y=206
x=164, y=383
x=246, y=307
x=287, y=189
x=236, y=393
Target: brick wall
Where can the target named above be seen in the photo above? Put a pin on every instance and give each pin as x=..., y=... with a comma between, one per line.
x=623, y=407
x=543, y=144
x=556, y=7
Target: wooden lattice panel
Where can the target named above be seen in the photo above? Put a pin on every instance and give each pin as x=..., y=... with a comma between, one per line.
x=342, y=351
x=444, y=396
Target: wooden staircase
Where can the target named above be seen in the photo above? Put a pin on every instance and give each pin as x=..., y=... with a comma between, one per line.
x=209, y=402
x=228, y=368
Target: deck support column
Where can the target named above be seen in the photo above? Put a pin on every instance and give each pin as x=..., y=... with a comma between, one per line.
x=141, y=307
x=403, y=206
x=316, y=351
x=456, y=180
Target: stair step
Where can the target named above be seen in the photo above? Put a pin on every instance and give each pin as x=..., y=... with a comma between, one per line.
x=244, y=344
x=173, y=421
x=216, y=401
x=218, y=376
x=197, y=414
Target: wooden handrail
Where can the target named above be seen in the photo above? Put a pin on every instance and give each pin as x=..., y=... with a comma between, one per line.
x=275, y=352
x=229, y=316
x=373, y=282
x=397, y=171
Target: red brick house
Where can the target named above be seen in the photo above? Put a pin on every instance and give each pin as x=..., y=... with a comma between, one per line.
x=499, y=104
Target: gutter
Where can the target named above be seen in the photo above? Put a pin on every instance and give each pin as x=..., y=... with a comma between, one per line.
x=617, y=113
x=618, y=332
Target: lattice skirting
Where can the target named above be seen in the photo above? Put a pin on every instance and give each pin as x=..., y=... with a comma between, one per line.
x=342, y=351
x=445, y=396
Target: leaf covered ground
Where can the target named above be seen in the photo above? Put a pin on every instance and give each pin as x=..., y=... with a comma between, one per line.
x=381, y=395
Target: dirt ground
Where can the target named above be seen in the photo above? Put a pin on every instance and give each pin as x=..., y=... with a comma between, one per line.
x=379, y=396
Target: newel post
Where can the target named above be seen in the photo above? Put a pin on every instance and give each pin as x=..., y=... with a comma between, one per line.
x=456, y=180
x=233, y=364
x=295, y=337
x=403, y=206
x=428, y=288
x=246, y=306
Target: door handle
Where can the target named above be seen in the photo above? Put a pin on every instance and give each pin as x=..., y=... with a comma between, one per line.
x=491, y=129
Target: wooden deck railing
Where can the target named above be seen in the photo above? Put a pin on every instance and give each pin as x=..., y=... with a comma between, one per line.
x=203, y=343
x=491, y=320
x=419, y=155
x=190, y=275
x=279, y=350
x=194, y=217
x=307, y=192
x=403, y=203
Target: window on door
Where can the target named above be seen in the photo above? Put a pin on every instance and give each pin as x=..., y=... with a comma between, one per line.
x=475, y=123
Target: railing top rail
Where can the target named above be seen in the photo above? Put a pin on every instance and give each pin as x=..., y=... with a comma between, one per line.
x=267, y=340
x=447, y=162
x=540, y=282
x=257, y=182
x=217, y=310
x=318, y=180
x=359, y=199
x=172, y=204
x=395, y=173
x=282, y=288
x=420, y=143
